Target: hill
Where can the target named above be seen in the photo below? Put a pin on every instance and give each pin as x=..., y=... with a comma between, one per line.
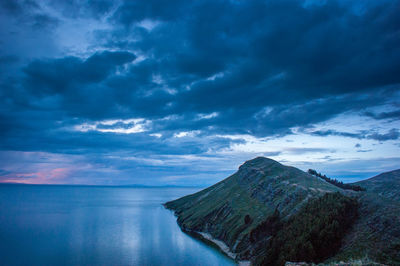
x=386, y=185
x=231, y=209
x=376, y=234
x=268, y=213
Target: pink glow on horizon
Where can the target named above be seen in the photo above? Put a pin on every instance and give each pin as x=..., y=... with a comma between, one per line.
x=52, y=176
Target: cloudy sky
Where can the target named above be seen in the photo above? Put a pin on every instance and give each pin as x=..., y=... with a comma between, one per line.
x=178, y=92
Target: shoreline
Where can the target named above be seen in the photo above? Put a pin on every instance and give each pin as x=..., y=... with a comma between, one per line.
x=209, y=240
x=223, y=247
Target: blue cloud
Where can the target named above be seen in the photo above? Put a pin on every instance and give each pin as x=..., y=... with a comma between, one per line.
x=57, y=75
x=262, y=67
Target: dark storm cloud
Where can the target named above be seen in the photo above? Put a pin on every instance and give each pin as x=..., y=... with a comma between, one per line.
x=28, y=13
x=263, y=59
x=7, y=60
x=17, y=7
x=135, y=11
x=74, y=85
x=254, y=58
x=258, y=58
x=85, y=8
x=54, y=76
x=212, y=67
x=312, y=47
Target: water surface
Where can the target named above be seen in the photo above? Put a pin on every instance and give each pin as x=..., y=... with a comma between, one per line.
x=77, y=225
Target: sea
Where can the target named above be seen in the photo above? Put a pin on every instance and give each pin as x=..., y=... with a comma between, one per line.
x=96, y=225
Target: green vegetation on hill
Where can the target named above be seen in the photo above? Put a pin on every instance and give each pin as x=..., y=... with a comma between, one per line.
x=255, y=191
x=377, y=233
x=270, y=213
x=386, y=185
x=314, y=233
x=336, y=182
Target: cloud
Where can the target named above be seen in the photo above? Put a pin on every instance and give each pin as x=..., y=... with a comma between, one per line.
x=308, y=150
x=57, y=75
x=330, y=132
x=237, y=73
x=392, y=134
x=127, y=126
x=364, y=150
x=148, y=79
x=130, y=12
x=385, y=115
x=54, y=176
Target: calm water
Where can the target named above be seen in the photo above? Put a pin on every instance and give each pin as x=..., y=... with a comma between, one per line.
x=68, y=225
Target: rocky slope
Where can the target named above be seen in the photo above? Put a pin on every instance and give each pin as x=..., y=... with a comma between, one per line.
x=251, y=211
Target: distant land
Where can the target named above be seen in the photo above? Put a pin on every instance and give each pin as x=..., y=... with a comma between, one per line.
x=271, y=214
x=88, y=185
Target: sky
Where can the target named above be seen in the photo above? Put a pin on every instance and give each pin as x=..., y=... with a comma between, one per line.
x=180, y=92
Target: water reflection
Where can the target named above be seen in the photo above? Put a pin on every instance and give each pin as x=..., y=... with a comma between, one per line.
x=66, y=225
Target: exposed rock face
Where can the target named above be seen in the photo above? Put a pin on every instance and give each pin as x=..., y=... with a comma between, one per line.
x=255, y=191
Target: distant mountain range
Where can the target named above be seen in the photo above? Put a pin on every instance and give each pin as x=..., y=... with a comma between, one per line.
x=269, y=214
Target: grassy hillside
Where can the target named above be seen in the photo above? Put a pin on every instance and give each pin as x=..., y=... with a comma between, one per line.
x=376, y=234
x=270, y=213
x=314, y=233
x=386, y=185
x=232, y=208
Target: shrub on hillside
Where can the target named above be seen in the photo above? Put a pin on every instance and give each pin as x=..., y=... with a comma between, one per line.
x=314, y=233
